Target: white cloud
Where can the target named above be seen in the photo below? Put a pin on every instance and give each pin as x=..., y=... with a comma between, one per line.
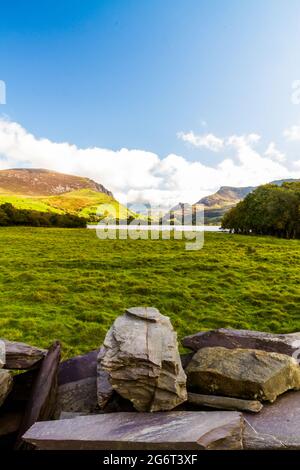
x=243, y=140
x=209, y=141
x=297, y=164
x=292, y=133
x=274, y=153
x=137, y=175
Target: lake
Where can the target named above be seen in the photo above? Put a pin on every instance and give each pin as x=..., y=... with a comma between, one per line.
x=180, y=228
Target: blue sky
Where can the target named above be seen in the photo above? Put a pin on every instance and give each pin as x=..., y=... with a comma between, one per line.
x=142, y=74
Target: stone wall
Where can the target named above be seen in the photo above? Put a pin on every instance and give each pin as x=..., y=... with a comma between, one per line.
x=235, y=389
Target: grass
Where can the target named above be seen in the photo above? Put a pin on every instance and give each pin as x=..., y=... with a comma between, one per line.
x=82, y=202
x=67, y=284
x=25, y=202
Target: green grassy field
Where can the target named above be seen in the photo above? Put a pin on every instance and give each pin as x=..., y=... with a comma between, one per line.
x=82, y=202
x=66, y=284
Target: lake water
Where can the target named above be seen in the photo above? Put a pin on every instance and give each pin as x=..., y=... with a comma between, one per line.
x=161, y=228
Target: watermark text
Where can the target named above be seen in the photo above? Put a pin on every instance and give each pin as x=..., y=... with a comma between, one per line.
x=184, y=223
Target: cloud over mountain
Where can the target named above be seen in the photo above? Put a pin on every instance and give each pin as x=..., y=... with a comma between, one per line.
x=139, y=175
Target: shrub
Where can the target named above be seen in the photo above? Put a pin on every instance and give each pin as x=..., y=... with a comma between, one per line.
x=9, y=215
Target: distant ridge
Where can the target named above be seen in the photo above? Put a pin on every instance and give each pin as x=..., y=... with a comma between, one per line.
x=288, y=180
x=226, y=196
x=215, y=205
x=41, y=182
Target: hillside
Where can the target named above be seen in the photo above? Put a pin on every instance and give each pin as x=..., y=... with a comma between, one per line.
x=50, y=191
x=40, y=182
x=217, y=204
x=225, y=196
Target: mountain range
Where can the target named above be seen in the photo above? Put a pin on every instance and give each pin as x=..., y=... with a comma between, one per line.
x=50, y=191
x=215, y=205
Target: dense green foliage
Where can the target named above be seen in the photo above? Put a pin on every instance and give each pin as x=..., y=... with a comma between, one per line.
x=9, y=216
x=69, y=285
x=269, y=210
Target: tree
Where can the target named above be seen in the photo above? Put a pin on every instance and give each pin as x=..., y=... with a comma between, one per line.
x=269, y=210
x=9, y=215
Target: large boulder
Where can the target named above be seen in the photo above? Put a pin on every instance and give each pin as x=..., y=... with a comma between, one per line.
x=142, y=359
x=6, y=383
x=243, y=373
x=246, y=339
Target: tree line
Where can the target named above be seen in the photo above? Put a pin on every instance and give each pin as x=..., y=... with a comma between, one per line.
x=10, y=215
x=268, y=210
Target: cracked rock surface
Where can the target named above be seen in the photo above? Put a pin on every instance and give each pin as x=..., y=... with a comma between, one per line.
x=140, y=355
x=243, y=373
x=277, y=426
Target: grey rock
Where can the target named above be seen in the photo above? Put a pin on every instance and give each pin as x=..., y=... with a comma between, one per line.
x=105, y=390
x=78, y=368
x=243, y=373
x=246, y=339
x=21, y=355
x=148, y=431
x=277, y=426
x=142, y=359
x=6, y=383
x=77, y=387
x=79, y=396
x=41, y=403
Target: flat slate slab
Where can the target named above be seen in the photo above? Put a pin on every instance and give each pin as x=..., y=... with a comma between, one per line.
x=247, y=339
x=78, y=368
x=41, y=403
x=203, y=430
x=277, y=426
x=21, y=355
